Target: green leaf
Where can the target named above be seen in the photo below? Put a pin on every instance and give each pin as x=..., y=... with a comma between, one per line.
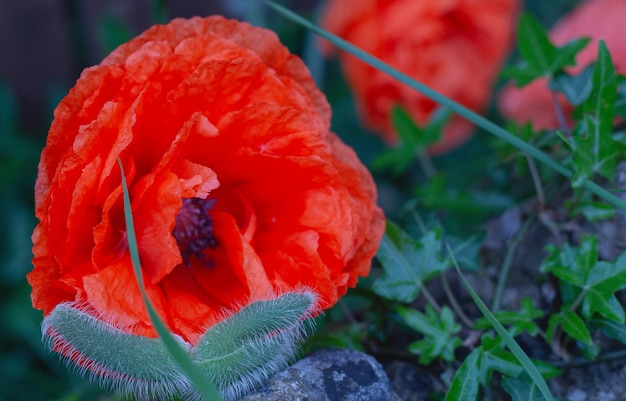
x=602, y=283
x=466, y=381
x=598, y=280
x=539, y=56
x=594, y=148
x=439, y=330
x=453, y=106
x=576, y=88
x=569, y=263
x=572, y=324
x=499, y=360
x=412, y=139
x=408, y=263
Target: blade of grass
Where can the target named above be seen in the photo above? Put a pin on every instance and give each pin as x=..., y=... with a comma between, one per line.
x=464, y=112
x=200, y=382
x=516, y=350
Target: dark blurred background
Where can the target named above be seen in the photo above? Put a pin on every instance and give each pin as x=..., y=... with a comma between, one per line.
x=44, y=45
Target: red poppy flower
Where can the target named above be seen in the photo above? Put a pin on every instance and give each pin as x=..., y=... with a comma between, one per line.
x=455, y=46
x=238, y=188
x=596, y=19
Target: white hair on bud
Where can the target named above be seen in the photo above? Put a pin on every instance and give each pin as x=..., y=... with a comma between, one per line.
x=155, y=381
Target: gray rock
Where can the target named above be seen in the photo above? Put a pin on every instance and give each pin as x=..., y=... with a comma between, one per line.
x=329, y=375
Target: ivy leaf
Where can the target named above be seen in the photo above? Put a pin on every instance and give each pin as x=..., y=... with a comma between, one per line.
x=408, y=263
x=603, y=281
x=496, y=358
x=576, y=88
x=466, y=381
x=520, y=321
x=540, y=57
x=439, y=330
x=599, y=280
x=572, y=324
x=412, y=138
x=594, y=150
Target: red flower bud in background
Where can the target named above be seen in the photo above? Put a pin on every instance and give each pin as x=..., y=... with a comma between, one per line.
x=596, y=19
x=456, y=47
x=239, y=190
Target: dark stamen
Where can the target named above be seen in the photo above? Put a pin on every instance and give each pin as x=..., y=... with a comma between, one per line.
x=194, y=230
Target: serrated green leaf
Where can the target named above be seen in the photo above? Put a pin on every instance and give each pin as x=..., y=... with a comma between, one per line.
x=466, y=381
x=594, y=148
x=579, y=266
x=439, y=330
x=569, y=263
x=602, y=283
x=408, y=263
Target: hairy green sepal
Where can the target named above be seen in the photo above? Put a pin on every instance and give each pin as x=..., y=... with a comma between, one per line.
x=237, y=354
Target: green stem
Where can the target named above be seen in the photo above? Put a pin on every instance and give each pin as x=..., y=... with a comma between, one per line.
x=429, y=298
x=578, y=301
x=454, y=303
x=506, y=265
x=464, y=112
x=532, y=166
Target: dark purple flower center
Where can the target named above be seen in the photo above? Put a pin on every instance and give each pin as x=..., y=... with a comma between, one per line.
x=194, y=230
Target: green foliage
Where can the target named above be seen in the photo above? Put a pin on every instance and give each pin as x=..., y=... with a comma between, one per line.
x=594, y=150
x=408, y=263
x=466, y=382
x=412, y=139
x=588, y=281
x=540, y=58
x=575, y=88
x=439, y=330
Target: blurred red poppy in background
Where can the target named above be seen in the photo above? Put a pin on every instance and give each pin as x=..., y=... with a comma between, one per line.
x=454, y=46
x=596, y=19
x=238, y=188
